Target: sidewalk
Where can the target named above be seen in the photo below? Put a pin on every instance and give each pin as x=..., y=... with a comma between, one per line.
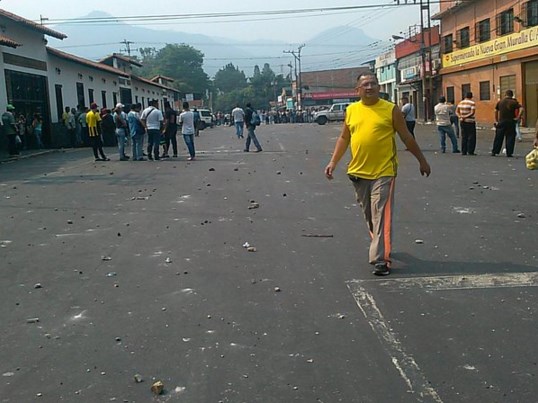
x=5, y=157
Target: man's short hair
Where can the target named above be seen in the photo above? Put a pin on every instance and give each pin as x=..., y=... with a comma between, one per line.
x=469, y=94
x=248, y=105
x=405, y=98
x=185, y=105
x=442, y=99
x=509, y=93
x=367, y=74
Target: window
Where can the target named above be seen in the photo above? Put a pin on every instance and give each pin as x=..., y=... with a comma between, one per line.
x=529, y=13
x=483, y=31
x=447, y=43
x=59, y=101
x=90, y=95
x=463, y=38
x=80, y=94
x=484, y=91
x=507, y=83
x=465, y=88
x=114, y=98
x=103, y=98
x=505, y=22
x=450, y=94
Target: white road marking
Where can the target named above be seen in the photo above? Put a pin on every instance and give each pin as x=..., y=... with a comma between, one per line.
x=460, y=282
x=404, y=362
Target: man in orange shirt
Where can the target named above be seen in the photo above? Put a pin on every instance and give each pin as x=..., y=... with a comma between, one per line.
x=368, y=130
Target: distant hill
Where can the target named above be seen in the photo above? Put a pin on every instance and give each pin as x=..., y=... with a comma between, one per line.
x=333, y=48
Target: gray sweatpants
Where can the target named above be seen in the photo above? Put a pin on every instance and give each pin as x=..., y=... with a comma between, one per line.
x=376, y=198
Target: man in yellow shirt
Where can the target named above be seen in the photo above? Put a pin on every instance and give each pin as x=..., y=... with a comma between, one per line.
x=93, y=120
x=368, y=130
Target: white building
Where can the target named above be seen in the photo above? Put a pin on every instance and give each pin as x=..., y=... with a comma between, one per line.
x=36, y=78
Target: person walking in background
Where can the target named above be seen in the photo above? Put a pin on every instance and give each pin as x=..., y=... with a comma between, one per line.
x=121, y=130
x=444, y=127
x=170, y=129
x=454, y=119
x=505, y=124
x=137, y=132
x=93, y=121
x=186, y=119
x=251, y=127
x=9, y=126
x=465, y=112
x=197, y=122
x=408, y=111
x=37, y=126
x=369, y=130
x=239, y=120
x=65, y=115
x=152, y=119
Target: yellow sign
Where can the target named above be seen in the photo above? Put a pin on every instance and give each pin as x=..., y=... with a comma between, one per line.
x=498, y=46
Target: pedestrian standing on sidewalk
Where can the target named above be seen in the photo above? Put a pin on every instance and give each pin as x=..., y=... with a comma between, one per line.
x=238, y=115
x=137, y=132
x=121, y=129
x=505, y=124
x=10, y=129
x=408, y=111
x=465, y=111
x=444, y=127
x=93, y=121
x=186, y=120
x=37, y=127
x=369, y=130
x=71, y=125
x=251, y=127
x=152, y=119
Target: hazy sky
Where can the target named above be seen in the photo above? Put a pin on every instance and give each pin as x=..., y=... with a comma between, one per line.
x=379, y=23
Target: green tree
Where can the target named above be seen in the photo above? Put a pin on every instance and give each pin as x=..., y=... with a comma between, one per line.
x=229, y=78
x=181, y=62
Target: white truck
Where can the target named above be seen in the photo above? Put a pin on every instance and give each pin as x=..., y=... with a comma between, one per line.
x=335, y=113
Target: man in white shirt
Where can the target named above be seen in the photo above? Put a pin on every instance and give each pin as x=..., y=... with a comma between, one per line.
x=444, y=125
x=238, y=115
x=186, y=120
x=152, y=119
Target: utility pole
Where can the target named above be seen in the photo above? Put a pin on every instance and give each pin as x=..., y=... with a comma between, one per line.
x=425, y=54
x=127, y=46
x=297, y=57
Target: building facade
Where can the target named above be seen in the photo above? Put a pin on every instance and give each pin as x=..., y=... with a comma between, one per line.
x=387, y=74
x=488, y=47
x=417, y=59
x=326, y=87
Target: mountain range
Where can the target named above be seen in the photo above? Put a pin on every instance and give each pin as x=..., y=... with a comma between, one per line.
x=334, y=48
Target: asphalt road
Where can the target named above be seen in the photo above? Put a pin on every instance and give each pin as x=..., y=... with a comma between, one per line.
x=116, y=270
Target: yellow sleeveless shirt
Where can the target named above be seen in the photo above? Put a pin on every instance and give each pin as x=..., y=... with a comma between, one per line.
x=373, y=144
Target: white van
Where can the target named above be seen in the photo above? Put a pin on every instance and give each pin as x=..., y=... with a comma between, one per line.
x=206, y=118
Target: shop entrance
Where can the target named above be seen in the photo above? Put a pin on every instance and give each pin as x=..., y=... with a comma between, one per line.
x=531, y=93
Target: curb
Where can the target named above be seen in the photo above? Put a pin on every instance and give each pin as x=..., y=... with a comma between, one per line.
x=5, y=160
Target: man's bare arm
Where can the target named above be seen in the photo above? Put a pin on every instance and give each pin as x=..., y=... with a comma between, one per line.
x=339, y=149
x=410, y=142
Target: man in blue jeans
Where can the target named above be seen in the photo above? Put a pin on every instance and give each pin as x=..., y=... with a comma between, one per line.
x=251, y=130
x=444, y=126
x=137, y=132
x=152, y=119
